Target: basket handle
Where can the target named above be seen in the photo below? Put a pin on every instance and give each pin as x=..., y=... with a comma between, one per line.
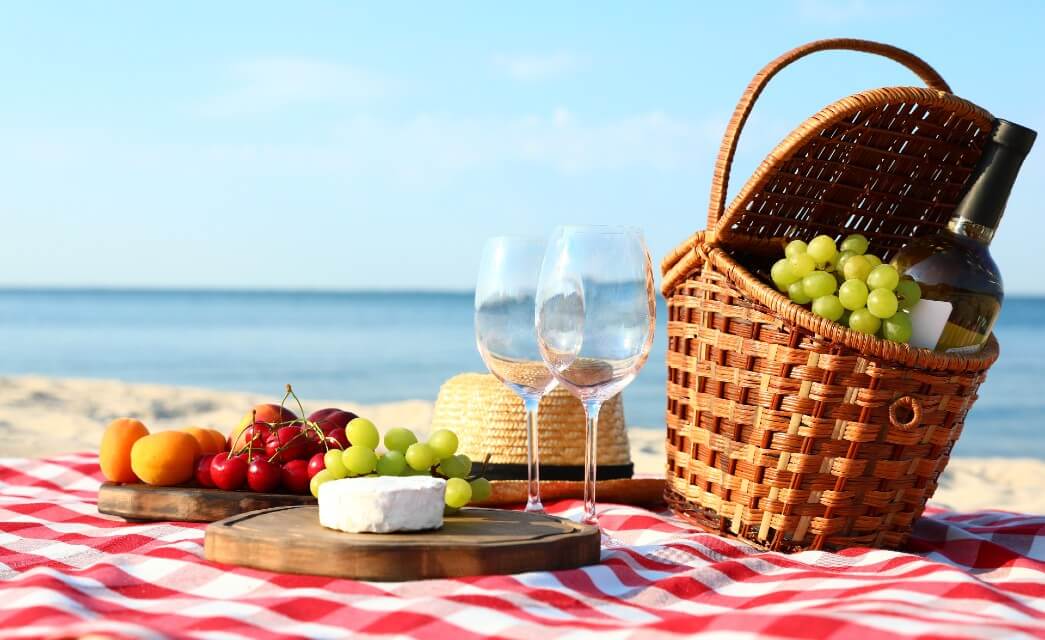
x=724, y=162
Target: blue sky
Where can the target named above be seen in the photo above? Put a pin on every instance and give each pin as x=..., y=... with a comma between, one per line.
x=337, y=145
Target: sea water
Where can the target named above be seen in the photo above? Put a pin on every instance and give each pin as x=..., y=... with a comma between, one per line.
x=386, y=346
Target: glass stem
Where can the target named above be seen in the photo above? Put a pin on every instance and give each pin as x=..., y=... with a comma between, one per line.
x=533, y=456
x=591, y=449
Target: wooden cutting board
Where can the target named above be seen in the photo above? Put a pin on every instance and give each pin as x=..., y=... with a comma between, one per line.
x=197, y=504
x=473, y=542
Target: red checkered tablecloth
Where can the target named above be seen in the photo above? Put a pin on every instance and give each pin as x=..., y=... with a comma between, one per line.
x=66, y=570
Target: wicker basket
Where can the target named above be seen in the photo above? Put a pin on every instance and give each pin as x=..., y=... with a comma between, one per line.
x=784, y=429
x=490, y=419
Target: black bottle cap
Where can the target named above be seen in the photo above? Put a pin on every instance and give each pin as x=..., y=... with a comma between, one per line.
x=1015, y=136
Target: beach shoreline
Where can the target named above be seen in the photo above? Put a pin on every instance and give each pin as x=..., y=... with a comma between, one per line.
x=42, y=416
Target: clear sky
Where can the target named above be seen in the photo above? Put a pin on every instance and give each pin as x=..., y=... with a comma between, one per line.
x=375, y=145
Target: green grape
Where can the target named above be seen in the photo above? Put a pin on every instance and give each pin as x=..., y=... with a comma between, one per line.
x=332, y=460
x=797, y=293
x=399, y=439
x=454, y=467
x=363, y=433
x=822, y=249
x=863, y=321
x=481, y=489
x=443, y=443
x=359, y=460
x=832, y=264
x=393, y=463
x=884, y=276
x=828, y=307
x=819, y=284
x=897, y=327
x=324, y=475
x=873, y=259
x=857, y=243
x=842, y=257
x=466, y=461
x=794, y=248
x=882, y=303
x=908, y=293
x=782, y=274
x=420, y=456
x=801, y=265
x=853, y=294
x=857, y=268
x=458, y=493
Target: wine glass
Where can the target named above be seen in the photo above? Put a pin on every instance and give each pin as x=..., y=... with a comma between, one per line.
x=507, y=338
x=595, y=316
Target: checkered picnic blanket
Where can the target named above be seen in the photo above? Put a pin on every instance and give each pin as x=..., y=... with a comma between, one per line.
x=66, y=570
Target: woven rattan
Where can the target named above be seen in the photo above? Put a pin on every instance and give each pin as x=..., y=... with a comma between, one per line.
x=785, y=429
x=490, y=419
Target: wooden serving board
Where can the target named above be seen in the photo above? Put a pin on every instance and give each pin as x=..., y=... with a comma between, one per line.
x=470, y=543
x=198, y=504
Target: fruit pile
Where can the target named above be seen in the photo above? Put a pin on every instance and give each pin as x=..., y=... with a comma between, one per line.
x=273, y=450
x=845, y=284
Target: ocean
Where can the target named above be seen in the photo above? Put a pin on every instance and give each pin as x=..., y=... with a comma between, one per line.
x=388, y=346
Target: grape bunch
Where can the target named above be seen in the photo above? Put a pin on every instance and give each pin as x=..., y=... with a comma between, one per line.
x=845, y=284
x=404, y=456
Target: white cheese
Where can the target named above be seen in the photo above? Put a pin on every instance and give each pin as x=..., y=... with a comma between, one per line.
x=382, y=504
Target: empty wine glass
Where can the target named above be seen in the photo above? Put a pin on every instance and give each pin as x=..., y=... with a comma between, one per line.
x=504, y=330
x=595, y=316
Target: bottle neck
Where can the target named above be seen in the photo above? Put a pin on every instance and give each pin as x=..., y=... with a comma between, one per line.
x=987, y=189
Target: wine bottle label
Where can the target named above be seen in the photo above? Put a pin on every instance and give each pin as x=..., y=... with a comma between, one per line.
x=958, y=339
x=928, y=320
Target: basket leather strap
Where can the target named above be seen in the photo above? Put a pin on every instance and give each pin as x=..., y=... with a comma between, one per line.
x=724, y=162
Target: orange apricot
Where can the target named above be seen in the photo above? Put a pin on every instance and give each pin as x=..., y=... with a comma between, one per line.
x=165, y=458
x=218, y=438
x=114, y=456
x=206, y=439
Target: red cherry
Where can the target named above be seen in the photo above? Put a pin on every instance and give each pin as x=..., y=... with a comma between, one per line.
x=263, y=476
x=250, y=454
x=316, y=464
x=228, y=472
x=295, y=476
x=203, y=471
x=254, y=435
x=337, y=439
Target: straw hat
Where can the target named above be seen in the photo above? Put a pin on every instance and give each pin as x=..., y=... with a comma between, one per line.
x=489, y=418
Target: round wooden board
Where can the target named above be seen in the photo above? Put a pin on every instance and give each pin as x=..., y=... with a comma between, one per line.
x=473, y=542
x=198, y=504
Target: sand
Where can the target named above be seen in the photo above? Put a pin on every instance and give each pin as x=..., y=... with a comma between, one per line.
x=42, y=416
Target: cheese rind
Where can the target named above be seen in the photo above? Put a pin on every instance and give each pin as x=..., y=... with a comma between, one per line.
x=382, y=504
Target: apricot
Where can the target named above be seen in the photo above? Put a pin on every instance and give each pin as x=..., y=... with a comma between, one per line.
x=271, y=413
x=165, y=458
x=209, y=440
x=114, y=456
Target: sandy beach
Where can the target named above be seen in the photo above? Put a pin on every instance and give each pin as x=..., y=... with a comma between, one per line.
x=42, y=416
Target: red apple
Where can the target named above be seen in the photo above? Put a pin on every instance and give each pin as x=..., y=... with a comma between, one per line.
x=228, y=472
x=203, y=471
x=330, y=419
x=263, y=476
x=295, y=476
x=316, y=464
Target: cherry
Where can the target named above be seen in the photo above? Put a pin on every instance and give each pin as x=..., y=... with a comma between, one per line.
x=263, y=476
x=228, y=471
x=254, y=435
x=286, y=444
x=337, y=439
x=295, y=476
x=203, y=471
x=316, y=464
x=250, y=454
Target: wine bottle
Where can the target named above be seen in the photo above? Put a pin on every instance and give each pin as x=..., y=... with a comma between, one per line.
x=961, y=285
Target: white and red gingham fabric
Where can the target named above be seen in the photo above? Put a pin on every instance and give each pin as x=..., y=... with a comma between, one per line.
x=67, y=571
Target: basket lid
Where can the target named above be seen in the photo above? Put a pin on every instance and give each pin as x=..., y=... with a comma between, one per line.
x=888, y=163
x=489, y=418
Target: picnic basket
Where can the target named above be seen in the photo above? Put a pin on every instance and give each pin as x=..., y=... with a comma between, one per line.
x=784, y=429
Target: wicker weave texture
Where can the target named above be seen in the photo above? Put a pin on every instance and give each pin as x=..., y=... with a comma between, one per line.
x=490, y=419
x=785, y=429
